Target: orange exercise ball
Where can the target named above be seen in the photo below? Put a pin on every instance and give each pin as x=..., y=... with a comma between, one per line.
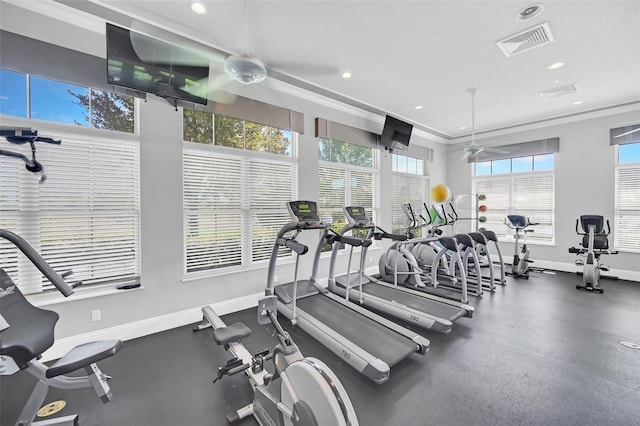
x=440, y=193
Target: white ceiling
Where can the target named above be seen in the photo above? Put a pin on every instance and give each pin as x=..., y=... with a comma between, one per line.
x=429, y=53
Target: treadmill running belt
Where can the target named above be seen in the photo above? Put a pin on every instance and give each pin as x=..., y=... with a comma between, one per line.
x=440, y=310
x=375, y=338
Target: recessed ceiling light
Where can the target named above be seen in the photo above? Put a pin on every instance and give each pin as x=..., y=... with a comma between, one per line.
x=419, y=107
x=529, y=12
x=198, y=7
x=578, y=102
x=555, y=66
x=346, y=74
x=463, y=127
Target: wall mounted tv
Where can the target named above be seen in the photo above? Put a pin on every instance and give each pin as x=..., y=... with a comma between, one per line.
x=395, y=133
x=139, y=62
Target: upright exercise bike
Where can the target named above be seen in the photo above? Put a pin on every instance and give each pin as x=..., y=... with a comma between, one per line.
x=594, y=244
x=301, y=391
x=520, y=264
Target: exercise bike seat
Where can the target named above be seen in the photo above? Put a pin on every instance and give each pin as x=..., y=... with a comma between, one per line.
x=32, y=329
x=32, y=332
x=518, y=221
x=231, y=333
x=84, y=355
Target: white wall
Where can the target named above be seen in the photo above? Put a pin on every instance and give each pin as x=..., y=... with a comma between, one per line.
x=585, y=182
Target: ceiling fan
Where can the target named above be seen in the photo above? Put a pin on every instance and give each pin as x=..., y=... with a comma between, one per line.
x=473, y=151
x=225, y=67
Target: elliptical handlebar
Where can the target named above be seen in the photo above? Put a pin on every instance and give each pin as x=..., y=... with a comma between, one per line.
x=352, y=241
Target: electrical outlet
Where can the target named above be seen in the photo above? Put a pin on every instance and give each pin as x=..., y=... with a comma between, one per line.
x=370, y=259
x=275, y=279
x=96, y=315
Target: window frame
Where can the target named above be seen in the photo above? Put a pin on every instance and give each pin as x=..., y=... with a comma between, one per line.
x=507, y=236
x=617, y=214
x=245, y=157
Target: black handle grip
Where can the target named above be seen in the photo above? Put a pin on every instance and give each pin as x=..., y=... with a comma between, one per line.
x=352, y=241
x=395, y=237
x=296, y=247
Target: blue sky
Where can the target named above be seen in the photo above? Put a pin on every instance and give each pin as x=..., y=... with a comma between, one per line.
x=50, y=100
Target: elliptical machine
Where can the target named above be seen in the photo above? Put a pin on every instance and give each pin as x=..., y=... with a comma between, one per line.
x=520, y=264
x=594, y=243
x=301, y=391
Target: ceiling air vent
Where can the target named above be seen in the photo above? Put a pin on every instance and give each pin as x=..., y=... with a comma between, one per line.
x=526, y=40
x=567, y=89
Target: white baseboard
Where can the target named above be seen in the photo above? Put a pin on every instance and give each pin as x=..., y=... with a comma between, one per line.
x=622, y=274
x=149, y=326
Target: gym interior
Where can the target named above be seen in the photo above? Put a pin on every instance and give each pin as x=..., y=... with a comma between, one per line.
x=201, y=202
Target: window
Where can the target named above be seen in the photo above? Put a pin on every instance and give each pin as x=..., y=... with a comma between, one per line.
x=627, y=198
x=520, y=185
x=85, y=216
x=13, y=93
x=346, y=178
x=60, y=102
x=409, y=186
x=237, y=179
x=206, y=128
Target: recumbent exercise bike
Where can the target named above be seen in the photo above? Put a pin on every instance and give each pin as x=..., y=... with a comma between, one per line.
x=26, y=331
x=594, y=244
x=302, y=390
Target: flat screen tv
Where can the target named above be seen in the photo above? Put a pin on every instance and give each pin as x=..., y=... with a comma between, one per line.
x=395, y=133
x=139, y=62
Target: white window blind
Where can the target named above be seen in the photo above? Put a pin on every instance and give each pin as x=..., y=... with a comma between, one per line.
x=344, y=186
x=84, y=217
x=233, y=206
x=407, y=189
x=528, y=194
x=627, y=214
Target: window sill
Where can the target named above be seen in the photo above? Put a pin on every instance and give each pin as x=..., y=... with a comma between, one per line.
x=54, y=297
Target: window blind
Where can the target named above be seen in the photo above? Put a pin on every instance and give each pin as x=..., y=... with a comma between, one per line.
x=407, y=189
x=527, y=194
x=627, y=214
x=233, y=206
x=84, y=217
x=344, y=186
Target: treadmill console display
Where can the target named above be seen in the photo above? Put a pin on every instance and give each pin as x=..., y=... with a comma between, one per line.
x=304, y=211
x=356, y=215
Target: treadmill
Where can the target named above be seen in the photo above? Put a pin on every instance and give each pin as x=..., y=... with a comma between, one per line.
x=421, y=309
x=366, y=341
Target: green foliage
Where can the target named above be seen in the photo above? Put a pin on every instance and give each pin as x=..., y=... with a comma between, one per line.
x=197, y=126
x=243, y=134
x=108, y=110
x=204, y=127
x=345, y=153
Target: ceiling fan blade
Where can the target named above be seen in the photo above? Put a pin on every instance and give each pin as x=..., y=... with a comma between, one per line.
x=155, y=51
